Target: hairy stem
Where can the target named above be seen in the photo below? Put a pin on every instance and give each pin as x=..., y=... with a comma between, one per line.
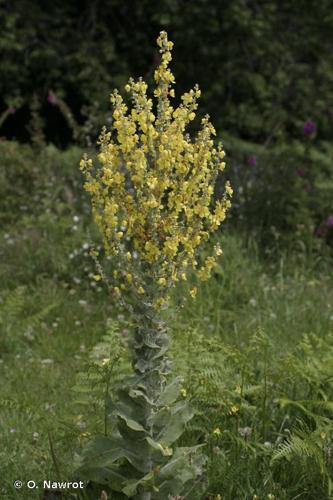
x=151, y=365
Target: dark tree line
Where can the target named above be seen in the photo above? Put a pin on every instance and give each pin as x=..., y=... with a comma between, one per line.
x=264, y=66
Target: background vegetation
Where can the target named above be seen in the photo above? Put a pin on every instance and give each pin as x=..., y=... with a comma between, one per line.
x=256, y=347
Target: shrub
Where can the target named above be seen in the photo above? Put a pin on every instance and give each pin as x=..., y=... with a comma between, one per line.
x=283, y=191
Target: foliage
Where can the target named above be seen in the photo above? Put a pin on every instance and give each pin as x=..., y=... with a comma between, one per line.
x=46, y=249
x=254, y=89
x=272, y=99
x=107, y=365
x=255, y=410
x=14, y=327
x=49, y=254
x=261, y=411
x=34, y=183
x=283, y=190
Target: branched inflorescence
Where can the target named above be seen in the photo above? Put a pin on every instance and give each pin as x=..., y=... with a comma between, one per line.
x=153, y=195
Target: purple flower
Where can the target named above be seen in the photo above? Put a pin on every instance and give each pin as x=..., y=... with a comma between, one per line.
x=52, y=98
x=252, y=160
x=309, y=127
x=329, y=221
x=300, y=172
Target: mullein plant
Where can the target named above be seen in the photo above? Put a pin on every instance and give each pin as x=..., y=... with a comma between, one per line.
x=153, y=200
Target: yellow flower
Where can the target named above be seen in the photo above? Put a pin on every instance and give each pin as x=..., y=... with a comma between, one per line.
x=229, y=189
x=129, y=277
x=218, y=250
x=97, y=277
x=85, y=434
x=234, y=409
x=193, y=292
x=152, y=196
x=183, y=392
x=217, y=431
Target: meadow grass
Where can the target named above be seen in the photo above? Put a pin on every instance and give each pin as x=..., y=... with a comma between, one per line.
x=52, y=313
x=240, y=346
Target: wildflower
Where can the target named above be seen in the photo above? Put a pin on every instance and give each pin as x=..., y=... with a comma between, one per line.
x=167, y=212
x=97, y=277
x=183, y=392
x=329, y=221
x=52, y=98
x=300, y=172
x=218, y=250
x=152, y=200
x=234, y=410
x=217, y=432
x=47, y=361
x=252, y=160
x=245, y=431
x=309, y=127
x=228, y=189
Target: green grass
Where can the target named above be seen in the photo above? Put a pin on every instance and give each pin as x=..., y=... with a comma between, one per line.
x=52, y=313
x=286, y=298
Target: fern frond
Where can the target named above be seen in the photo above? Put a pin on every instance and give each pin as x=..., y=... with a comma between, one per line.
x=12, y=304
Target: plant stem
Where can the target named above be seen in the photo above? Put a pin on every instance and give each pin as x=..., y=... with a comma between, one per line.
x=150, y=364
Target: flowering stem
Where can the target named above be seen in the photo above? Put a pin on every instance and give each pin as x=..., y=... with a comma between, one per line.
x=153, y=201
x=150, y=364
